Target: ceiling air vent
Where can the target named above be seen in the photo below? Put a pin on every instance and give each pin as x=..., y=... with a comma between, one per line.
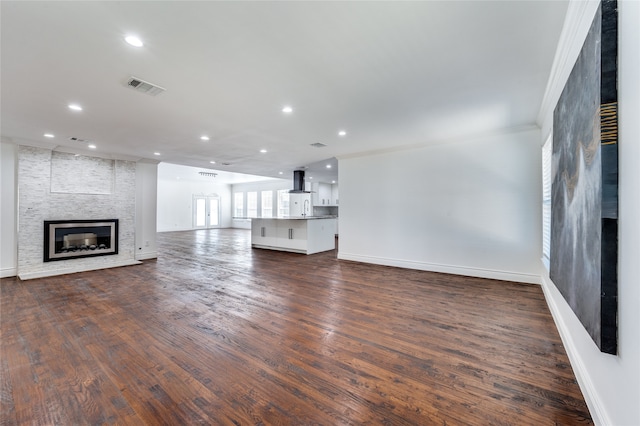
x=78, y=139
x=318, y=145
x=144, y=86
x=226, y=164
x=208, y=174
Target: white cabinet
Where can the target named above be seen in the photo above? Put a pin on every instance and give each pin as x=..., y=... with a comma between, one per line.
x=334, y=194
x=288, y=234
x=325, y=194
x=262, y=232
x=256, y=230
x=298, y=235
x=315, y=194
x=321, y=235
x=291, y=234
x=321, y=194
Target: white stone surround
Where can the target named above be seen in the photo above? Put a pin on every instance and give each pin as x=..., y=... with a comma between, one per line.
x=37, y=203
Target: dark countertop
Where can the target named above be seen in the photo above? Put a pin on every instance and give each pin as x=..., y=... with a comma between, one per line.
x=291, y=217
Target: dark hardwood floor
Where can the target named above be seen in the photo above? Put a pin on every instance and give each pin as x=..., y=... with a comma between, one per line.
x=214, y=332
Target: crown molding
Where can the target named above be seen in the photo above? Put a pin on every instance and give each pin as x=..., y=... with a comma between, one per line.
x=450, y=141
x=577, y=21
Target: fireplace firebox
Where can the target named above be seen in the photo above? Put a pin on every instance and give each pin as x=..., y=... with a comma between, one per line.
x=71, y=239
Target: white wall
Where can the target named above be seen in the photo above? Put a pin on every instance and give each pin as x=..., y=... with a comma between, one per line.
x=8, y=203
x=175, y=202
x=268, y=185
x=470, y=207
x=610, y=384
x=146, y=204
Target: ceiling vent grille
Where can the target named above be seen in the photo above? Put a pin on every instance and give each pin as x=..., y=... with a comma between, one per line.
x=208, y=174
x=318, y=145
x=144, y=86
x=77, y=139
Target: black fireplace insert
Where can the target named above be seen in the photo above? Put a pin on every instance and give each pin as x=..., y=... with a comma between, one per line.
x=71, y=239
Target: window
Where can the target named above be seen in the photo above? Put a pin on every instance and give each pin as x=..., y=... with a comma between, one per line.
x=238, y=204
x=252, y=204
x=546, y=201
x=267, y=203
x=283, y=202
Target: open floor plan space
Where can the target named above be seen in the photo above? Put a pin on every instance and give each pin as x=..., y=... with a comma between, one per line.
x=214, y=332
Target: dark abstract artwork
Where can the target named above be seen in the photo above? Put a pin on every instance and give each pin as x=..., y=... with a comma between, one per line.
x=584, y=199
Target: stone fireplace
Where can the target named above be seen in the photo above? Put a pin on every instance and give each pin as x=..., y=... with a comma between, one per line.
x=72, y=239
x=82, y=190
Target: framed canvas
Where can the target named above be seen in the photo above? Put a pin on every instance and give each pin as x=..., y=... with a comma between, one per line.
x=584, y=197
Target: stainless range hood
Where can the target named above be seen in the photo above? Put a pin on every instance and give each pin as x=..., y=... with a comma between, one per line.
x=298, y=183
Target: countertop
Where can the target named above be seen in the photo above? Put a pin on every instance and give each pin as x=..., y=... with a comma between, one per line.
x=291, y=217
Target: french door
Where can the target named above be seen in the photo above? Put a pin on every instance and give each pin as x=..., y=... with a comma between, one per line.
x=206, y=211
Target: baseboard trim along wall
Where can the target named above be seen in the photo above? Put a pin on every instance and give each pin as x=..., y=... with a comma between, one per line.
x=447, y=269
x=584, y=380
x=176, y=230
x=63, y=271
x=8, y=272
x=146, y=255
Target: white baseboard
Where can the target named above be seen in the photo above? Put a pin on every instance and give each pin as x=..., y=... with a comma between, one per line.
x=175, y=230
x=145, y=255
x=589, y=392
x=447, y=269
x=51, y=273
x=8, y=272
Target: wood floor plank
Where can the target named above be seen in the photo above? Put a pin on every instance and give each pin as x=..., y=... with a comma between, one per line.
x=214, y=332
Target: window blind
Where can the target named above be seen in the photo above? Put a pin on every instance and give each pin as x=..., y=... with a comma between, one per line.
x=546, y=201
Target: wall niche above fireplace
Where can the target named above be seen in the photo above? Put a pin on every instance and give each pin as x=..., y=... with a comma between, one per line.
x=72, y=239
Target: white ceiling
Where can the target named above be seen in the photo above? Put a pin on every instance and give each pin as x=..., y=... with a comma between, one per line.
x=168, y=171
x=389, y=73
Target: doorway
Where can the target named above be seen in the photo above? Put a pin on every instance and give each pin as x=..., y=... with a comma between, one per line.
x=206, y=211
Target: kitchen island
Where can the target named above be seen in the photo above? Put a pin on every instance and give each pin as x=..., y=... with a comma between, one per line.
x=298, y=234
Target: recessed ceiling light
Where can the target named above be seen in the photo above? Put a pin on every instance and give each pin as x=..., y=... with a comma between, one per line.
x=48, y=135
x=342, y=133
x=134, y=41
x=310, y=177
x=156, y=153
x=91, y=146
x=280, y=173
x=204, y=138
x=333, y=181
x=264, y=151
x=212, y=162
x=328, y=166
x=75, y=107
x=287, y=109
